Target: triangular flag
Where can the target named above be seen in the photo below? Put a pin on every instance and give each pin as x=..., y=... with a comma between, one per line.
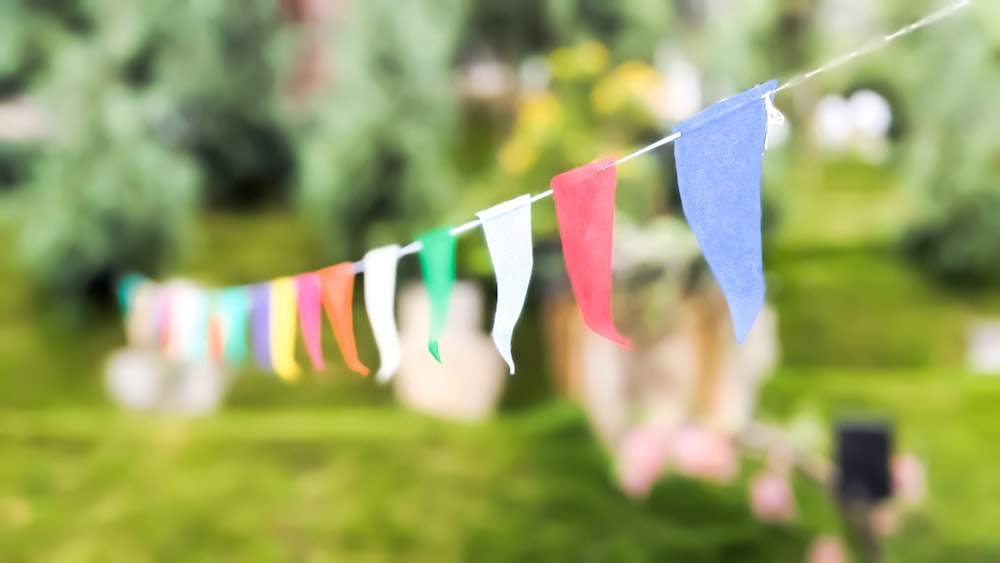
x=140, y=314
x=216, y=340
x=126, y=290
x=163, y=318
x=507, y=228
x=283, y=317
x=233, y=306
x=261, y=319
x=380, y=298
x=437, y=261
x=188, y=323
x=585, y=208
x=338, y=300
x=308, y=286
x=174, y=341
x=719, y=162
x=196, y=345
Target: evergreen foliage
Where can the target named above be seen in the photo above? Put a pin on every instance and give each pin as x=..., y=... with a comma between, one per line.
x=954, y=148
x=155, y=107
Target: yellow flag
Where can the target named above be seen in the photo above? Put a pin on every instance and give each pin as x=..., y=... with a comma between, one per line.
x=283, y=323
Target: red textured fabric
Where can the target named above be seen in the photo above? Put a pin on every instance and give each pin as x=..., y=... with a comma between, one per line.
x=585, y=207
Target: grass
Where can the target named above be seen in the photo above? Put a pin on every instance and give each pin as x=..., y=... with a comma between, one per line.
x=947, y=418
x=868, y=309
x=351, y=485
x=329, y=471
x=378, y=484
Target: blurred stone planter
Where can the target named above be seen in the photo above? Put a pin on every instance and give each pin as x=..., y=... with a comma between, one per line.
x=468, y=383
x=984, y=347
x=143, y=380
x=692, y=373
x=684, y=367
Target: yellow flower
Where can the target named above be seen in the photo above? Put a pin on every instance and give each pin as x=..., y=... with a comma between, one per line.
x=608, y=96
x=643, y=83
x=586, y=59
x=538, y=115
x=592, y=58
x=516, y=158
x=630, y=83
x=562, y=63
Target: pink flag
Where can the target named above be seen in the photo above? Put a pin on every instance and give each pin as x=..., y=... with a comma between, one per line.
x=309, y=315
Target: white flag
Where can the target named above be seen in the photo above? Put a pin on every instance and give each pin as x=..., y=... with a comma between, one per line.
x=380, y=302
x=508, y=236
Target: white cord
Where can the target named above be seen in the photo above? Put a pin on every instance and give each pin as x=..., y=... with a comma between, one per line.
x=875, y=44
x=775, y=117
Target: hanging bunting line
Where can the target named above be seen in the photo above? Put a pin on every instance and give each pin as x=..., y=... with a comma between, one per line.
x=868, y=48
x=875, y=45
x=273, y=305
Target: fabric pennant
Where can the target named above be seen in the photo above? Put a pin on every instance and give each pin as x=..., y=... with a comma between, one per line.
x=338, y=300
x=233, y=305
x=163, y=319
x=380, y=299
x=308, y=286
x=719, y=163
x=283, y=321
x=507, y=228
x=126, y=290
x=585, y=208
x=216, y=340
x=196, y=343
x=437, y=261
x=261, y=319
x=140, y=315
x=188, y=323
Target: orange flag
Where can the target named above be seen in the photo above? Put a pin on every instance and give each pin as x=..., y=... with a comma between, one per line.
x=338, y=300
x=215, y=338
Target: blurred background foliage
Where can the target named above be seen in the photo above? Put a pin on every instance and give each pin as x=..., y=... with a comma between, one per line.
x=247, y=107
x=237, y=141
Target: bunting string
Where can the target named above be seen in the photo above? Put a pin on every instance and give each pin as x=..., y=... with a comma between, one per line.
x=798, y=80
x=719, y=156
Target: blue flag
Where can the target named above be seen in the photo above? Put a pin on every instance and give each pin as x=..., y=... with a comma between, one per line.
x=719, y=163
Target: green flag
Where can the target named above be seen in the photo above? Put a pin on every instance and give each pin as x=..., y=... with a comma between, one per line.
x=437, y=260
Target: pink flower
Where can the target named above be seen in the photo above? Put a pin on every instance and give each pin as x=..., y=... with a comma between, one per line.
x=909, y=479
x=884, y=521
x=827, y=549
x=703, y=454
x=771, y=498
x=642, y=455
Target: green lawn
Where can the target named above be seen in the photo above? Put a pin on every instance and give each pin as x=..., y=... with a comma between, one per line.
x=351, y=485
x=377, y=484
x=948, y=418
x=329, y=471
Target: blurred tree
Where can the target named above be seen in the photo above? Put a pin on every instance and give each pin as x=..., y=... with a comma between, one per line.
x=143, y=99
x=954, y=151
x=375, y=155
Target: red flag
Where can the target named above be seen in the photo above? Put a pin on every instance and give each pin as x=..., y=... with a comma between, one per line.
x=338, y=293
x=308, y=289
x=585, y=207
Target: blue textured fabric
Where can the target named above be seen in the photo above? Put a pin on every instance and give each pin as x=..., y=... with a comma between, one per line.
x=719, y=163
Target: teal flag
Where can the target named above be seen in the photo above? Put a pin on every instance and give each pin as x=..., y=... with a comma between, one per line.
x=126, y=289
x=234, y=309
